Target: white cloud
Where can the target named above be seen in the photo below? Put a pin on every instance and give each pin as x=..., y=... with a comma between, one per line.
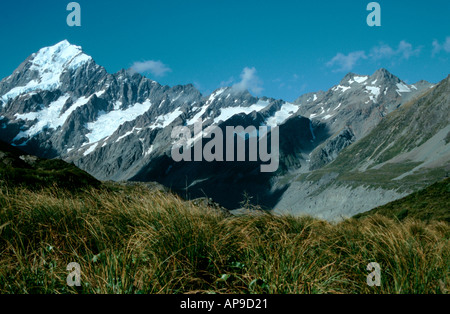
x=157, y=68
x=405, y=50
x=249, y=81
x=382, y=52
x=437, y=47
x=346, y=63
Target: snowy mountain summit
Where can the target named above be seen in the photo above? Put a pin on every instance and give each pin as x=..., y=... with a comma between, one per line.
x=60, y=104
x=44, y=70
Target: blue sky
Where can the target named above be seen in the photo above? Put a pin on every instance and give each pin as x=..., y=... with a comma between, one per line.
x=280, y=49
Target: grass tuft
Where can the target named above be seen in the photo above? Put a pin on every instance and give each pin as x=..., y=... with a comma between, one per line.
x=134, y=240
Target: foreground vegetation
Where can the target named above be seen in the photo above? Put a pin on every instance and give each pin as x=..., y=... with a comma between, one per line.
x=432, y=203
x=20, y=169
x=135, y=240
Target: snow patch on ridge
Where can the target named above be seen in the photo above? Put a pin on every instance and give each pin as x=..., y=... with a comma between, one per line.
x=90, y=150
x=360, y=79
x=285, y=112
x=227, y=113
x=50, y=117
x=166, y=120
x=108, y=123
x=344, y=88
x=402, y=88
x=375, y=91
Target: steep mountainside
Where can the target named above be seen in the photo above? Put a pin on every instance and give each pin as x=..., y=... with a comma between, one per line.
x=359, y=102
x=60, y=103
x=406, y=151
x=353, y=108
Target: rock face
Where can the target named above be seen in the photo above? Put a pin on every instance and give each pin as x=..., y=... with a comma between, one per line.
x=329, y=151
x=359, y=101
x=60, y=104
x=407, y=150
x=336, y=202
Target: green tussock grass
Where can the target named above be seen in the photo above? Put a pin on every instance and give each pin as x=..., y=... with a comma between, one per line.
x=20, y=169
x=134, y=240
x=432, y=203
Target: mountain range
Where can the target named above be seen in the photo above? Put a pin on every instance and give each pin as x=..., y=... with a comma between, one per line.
x=365, y=142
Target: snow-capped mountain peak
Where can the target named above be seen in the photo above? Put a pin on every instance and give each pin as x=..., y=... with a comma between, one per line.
x=60, y=104
x=43, y=70
x=357, y=98
x=63, y=55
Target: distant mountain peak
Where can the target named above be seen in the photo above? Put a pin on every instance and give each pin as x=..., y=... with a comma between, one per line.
x=381, y=75
x=60, y=45
x=382, y=71
x=43, y=69
x=61, y=55
x=384, y=75
x=60, y=104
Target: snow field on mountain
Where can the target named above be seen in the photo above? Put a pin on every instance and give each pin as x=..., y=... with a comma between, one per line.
x=108, y=123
